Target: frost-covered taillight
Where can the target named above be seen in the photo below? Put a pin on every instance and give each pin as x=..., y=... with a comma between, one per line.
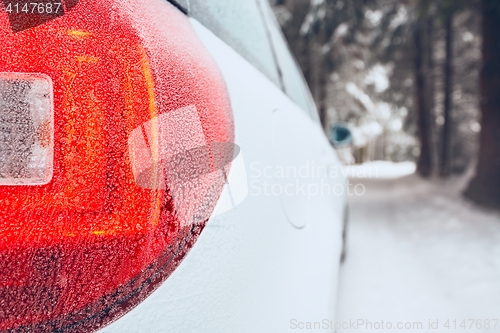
x=116, y=139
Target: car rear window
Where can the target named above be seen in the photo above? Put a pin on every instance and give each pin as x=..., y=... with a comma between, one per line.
x=294, y=83
x=240, y=24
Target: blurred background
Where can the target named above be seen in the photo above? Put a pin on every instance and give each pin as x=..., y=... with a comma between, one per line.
x=418, y=82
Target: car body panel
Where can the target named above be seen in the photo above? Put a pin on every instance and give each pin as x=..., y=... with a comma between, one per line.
x=251, y=269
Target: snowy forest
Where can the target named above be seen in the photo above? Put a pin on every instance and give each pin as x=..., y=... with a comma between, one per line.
x=416, y=79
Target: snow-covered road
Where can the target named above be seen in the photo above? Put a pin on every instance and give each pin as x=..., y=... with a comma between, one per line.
x=419, y=256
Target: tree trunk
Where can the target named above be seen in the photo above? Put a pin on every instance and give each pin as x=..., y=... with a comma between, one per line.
x=485, y=187
x=322, y=93
x=446, y=133
x=319, y=74
x=425, y=164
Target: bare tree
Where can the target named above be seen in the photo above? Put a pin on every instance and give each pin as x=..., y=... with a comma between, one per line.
x=445, y=161
x=424, y=92
x=485, y=187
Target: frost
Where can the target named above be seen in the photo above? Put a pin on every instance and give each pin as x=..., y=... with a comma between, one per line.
x=103, y=227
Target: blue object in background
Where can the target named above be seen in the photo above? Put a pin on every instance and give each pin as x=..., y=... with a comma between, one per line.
x=341, y=136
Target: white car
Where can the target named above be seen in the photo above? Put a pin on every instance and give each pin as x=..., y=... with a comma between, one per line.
x=162, y=169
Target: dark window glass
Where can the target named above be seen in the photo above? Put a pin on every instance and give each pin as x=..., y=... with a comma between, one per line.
x=240, y=24
x=182, y=4
x=293, y=81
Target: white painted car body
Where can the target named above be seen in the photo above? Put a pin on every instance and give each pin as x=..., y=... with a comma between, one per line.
x=266, y=260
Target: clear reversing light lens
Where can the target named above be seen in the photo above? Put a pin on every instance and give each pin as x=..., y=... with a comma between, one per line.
x=26, y=129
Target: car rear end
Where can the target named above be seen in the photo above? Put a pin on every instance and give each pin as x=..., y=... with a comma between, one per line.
x=128, y=136
x=95, y=105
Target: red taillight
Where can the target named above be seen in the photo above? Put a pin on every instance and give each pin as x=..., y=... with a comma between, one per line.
x=141, y=124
